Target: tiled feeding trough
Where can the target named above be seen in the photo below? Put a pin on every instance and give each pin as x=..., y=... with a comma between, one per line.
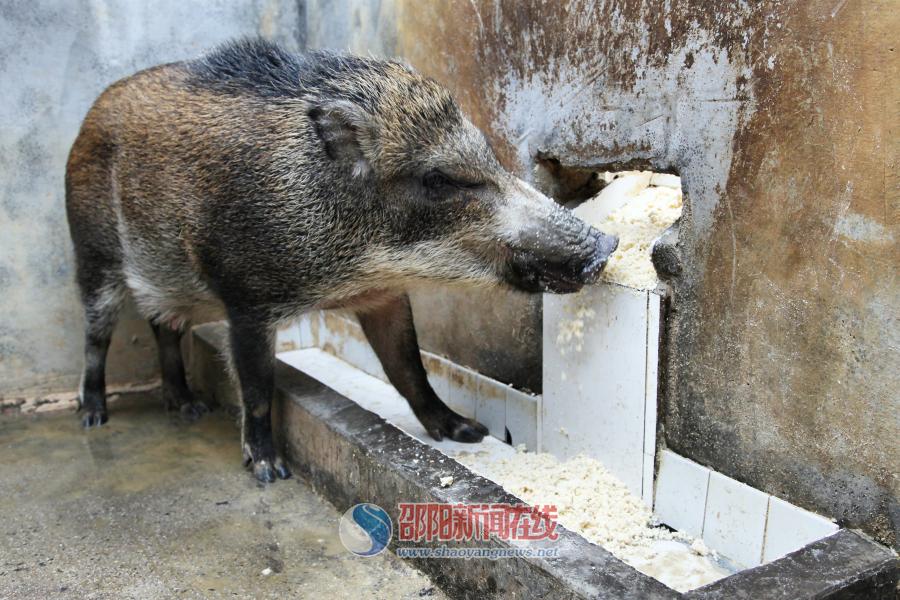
x=354, y=455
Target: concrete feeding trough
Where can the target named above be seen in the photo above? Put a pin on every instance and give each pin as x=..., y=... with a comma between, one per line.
x=355, y=439
x=600, y=372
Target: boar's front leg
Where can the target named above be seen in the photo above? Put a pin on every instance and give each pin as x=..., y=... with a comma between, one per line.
x=390, y=330
x=253, y=354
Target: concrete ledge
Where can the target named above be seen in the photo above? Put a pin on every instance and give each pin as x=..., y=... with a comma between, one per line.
x=843, y=565
x=352, y=455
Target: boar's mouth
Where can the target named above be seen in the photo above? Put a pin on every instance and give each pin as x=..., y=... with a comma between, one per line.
x=529, y=273
x=561, y=268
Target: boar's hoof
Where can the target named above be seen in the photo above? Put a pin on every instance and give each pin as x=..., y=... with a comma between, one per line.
x=457, y=428
x=468, y=432
x=281, y=469
x=191, y=411
x=184, y=402
x=94, y=418
x=267, y=470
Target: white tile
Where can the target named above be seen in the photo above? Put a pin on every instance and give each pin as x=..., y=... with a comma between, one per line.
x=540, y=423
x=666, y=180
x=735, y=520
x=287, y=338
x=594, y=397
x=681, y=490
x=365, y=358
x=328, y=339
x=438, y=370
x=521, y=418
x=490, y=406
x=652, y=378
x=358, y=352
x=647, y=481
x=381, y=398
x=345, y=339
x=304, y=330
x=316, y=328
x=463, y=390
x=789, y=528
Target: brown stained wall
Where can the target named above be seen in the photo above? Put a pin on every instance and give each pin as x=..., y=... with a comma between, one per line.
x=781, y=118
x=495, y=332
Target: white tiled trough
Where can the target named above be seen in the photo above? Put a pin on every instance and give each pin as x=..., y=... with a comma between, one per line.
x=600, y=390
x=331, y=346
x=601, y=401
x=744, y=525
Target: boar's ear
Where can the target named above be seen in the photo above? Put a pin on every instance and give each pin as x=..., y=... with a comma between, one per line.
x=344, y=129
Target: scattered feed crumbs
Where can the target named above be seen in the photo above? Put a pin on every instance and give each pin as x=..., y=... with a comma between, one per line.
x=571, y=331
x=637, y=206
x=590, y=501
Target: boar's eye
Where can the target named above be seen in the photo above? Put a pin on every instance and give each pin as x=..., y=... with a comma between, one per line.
x=435, y=180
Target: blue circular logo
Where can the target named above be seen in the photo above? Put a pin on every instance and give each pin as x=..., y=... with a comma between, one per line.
x=365, y=529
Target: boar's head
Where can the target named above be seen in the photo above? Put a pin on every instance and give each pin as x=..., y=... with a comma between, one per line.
x=437, y=203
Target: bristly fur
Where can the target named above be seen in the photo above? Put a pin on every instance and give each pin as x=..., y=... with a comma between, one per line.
x=387, y=92
x=254, y=176
x=249, y=66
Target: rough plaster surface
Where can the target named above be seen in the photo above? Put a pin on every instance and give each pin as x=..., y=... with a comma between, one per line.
x=499, y=336
x=779, y=117
x=55, y=58
x=360, y=26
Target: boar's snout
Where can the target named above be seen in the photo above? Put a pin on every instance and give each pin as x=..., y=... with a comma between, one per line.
x=562, y=260
x=603, y=246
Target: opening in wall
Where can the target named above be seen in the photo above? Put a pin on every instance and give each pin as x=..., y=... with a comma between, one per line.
x=641, y=207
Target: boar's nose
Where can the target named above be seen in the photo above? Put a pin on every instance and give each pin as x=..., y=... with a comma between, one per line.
x=603, y=247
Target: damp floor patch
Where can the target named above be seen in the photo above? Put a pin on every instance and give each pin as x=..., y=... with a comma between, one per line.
x=353, y=455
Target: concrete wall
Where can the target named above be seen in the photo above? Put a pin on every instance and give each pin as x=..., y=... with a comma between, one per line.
x=55, y=58
x=781, y=119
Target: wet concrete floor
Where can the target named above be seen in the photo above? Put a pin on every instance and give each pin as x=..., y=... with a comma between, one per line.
x=152, y=507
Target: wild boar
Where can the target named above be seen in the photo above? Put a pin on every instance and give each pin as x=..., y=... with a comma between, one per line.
x=266, y=184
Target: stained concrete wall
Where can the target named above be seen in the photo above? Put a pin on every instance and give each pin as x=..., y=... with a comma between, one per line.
x=55, y=58
x=781, y=119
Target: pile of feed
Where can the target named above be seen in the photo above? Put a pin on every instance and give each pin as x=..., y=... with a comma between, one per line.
x=637, y=206
x=593, y=503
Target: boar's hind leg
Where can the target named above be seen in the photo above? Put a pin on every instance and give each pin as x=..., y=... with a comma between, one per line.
x=392, y=334
x=176, y=393
x=102, y=297
x=253, y=354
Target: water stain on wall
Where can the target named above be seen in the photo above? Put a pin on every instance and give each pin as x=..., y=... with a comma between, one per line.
x=784, y=329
